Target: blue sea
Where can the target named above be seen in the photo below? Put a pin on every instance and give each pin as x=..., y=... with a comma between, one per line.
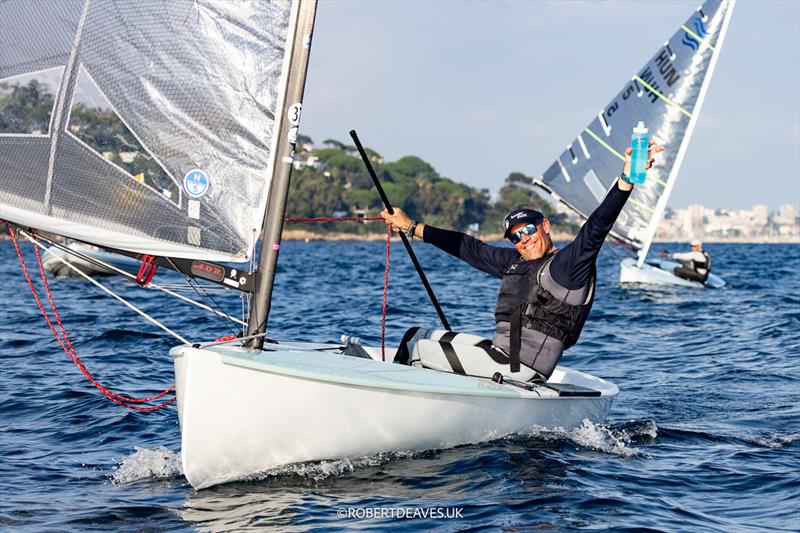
x=704, y=436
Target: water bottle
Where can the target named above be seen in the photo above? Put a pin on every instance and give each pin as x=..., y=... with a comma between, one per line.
x=640, y=141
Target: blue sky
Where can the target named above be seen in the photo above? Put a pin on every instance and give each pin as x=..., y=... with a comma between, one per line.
x=480, y=89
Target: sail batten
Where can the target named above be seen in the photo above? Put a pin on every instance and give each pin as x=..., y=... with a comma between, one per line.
x=666, y=94
x=144, y=125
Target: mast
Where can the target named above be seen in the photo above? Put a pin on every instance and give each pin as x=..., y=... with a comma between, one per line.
x=661, y=205
x=286, y=124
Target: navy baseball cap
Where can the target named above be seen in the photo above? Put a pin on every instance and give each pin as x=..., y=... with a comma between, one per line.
x=528, y=216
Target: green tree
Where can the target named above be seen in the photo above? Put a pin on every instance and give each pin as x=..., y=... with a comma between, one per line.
x=333, y=143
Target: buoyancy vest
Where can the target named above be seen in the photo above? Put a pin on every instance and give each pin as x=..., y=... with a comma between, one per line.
x=707, y=263
x=704, y=265
x=524, y=302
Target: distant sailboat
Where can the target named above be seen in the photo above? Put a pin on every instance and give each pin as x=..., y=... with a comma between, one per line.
x=666, y=94
x=167, y=129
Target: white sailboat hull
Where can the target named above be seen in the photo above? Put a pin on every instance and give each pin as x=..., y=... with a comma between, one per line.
x=650, y=274
x=244, y=411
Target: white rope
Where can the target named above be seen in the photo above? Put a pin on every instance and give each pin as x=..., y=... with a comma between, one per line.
x=109, y=291
x=132, y=277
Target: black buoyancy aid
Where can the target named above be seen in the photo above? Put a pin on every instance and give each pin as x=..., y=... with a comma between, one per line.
x=706, y=265
x=523, y=302
x=703, y=264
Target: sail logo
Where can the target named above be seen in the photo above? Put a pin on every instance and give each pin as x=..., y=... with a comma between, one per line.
x=700, y=31
x=195, y=182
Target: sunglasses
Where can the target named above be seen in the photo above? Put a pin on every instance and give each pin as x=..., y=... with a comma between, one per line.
x=516, y=236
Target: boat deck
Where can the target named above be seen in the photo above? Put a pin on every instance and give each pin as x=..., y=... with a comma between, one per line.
x=343, y=369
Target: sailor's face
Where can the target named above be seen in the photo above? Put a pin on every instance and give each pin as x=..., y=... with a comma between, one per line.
x=537, y=244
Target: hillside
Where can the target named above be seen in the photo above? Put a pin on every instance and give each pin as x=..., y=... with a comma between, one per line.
x=332, y=181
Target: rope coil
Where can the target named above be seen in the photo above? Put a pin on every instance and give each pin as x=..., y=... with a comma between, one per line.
x=69, y=349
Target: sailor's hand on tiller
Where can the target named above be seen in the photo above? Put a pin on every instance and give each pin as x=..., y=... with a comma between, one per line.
x=398, y=221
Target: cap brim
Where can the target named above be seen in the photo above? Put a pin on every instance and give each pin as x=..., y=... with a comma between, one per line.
x=527, y=219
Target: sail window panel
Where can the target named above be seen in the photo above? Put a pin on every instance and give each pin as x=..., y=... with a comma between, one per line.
x=94, y=121
x=121, y=205
x=27, y=102
x=595, y=186
x=23, y=177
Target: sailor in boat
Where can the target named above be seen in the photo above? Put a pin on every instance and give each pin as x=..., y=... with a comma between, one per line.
x=694, y=265
x=545, y=295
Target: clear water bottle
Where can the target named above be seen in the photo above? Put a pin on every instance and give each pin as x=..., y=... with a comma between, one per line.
x=640, y=140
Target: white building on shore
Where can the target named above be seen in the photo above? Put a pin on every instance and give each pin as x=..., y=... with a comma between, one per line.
x=756, y=224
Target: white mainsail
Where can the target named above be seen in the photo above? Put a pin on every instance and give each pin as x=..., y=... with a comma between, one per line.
x=142, y=125
x=666, y=94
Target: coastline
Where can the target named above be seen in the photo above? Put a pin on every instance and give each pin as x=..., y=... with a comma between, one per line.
x=303, y=235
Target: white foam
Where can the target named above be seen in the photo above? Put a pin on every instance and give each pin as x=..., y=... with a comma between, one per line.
x=598, y=437
x=319, y=470
x=603, y=438
x=158, y=462
x=774, y=441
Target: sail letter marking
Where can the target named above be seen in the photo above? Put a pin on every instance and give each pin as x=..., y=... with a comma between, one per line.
x=666, y=69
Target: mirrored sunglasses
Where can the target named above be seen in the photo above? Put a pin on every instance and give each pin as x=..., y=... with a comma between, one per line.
x=516, y=236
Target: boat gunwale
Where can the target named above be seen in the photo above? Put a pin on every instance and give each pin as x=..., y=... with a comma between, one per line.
x=482, y=387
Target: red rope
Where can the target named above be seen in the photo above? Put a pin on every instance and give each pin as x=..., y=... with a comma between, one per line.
x=67, y=346
x=330, y=219
x=385, y=291
x=125, y=401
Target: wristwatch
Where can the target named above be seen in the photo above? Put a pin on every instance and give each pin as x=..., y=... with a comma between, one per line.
x=625, y=178
x=411, y=229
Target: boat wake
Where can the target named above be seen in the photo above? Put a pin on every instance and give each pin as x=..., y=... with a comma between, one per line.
x=317, y=471
x=158, y=462
x=616, y=439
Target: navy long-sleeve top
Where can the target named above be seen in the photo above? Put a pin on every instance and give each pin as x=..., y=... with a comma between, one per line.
x=572, y=265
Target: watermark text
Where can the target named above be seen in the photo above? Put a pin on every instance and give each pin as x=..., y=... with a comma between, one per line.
x=373, y=513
